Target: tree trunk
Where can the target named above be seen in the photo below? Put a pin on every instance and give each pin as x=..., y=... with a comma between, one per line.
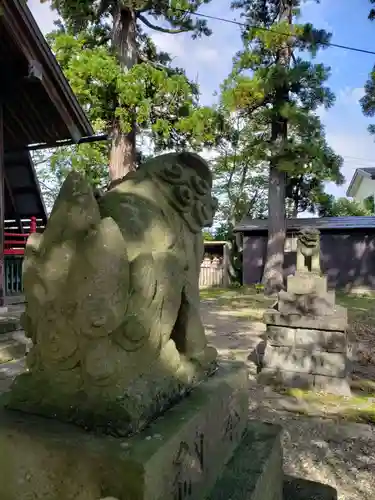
x=273, y=277
x=122, y=155
x=123, y=151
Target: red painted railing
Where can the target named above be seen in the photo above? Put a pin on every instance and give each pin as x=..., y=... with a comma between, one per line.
x=14, y=243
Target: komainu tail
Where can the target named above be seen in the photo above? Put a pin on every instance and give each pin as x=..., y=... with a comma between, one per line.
x=76, y=275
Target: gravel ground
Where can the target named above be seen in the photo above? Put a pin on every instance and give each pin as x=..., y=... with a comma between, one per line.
x=339, y=454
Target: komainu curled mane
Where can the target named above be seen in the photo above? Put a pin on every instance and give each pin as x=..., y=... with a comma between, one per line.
x=308, y=247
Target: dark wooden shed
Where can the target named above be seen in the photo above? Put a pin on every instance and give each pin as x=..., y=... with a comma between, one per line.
x=347, y=250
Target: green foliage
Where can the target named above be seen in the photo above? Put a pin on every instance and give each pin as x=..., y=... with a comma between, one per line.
x=371, y=15
x=250, y=91
x=207, y=236
x=329, y=206
x=151, y=93
x=177, y=14
x=258, y=77
x=161, y=100
x=223, y=232
x=275, y=87
x=367, y=102
x=48, y=181
x=369, y=204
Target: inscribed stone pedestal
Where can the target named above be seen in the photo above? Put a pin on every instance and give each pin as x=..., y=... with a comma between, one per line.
x=179, y=456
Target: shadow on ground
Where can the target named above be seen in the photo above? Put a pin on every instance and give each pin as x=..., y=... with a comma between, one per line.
x=330, y=450
x=319, y=442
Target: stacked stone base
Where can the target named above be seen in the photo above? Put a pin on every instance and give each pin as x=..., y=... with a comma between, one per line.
x=306, y=339
x=204, y=448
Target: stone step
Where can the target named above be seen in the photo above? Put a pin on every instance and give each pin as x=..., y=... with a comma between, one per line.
x=13, y=346
x=255, y=471
x=302, y=489
x=9, y=324
x=8, y=372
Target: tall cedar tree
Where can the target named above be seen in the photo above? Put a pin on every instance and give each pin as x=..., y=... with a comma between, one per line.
x=270, y=81
x=101, y=45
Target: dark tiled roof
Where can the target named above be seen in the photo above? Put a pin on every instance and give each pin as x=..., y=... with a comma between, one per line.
x=370, y=171
x=324, y=223
x=39, y=105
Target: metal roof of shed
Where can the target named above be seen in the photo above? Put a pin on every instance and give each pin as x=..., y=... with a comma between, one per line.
x=248, y=224
x=370, y=171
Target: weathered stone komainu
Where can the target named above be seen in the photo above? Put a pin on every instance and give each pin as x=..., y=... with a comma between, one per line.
x=308, y=245
x=113, y=299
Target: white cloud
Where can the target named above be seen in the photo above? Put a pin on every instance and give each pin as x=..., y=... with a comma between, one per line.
x=173, y=44
x=183, y=47
x=350, y=96
x=208, y=55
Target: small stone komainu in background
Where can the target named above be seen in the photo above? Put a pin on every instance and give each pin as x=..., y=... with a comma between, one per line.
x=308, y=248
x=306, y=338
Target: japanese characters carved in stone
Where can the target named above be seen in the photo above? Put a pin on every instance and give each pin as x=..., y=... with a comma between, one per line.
x=308, y=246
x=113, y=298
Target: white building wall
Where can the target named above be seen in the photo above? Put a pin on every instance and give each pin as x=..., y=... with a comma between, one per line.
x=366, y=189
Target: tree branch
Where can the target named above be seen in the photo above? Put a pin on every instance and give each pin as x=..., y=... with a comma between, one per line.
x=159, y=28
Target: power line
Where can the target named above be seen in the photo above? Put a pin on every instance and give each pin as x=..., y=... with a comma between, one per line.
x=359, y=166
x=262, y=28
x=359, y=159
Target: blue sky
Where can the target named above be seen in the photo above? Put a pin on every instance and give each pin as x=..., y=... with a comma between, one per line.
x=209, y=61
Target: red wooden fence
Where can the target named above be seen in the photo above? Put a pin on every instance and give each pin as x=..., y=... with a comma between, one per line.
x=14, y=243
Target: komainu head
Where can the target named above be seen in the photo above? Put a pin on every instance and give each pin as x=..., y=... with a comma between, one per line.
x=186, y=181
x=308, y=238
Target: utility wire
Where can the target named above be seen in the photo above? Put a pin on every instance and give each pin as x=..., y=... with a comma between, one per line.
x=262, y=28
x=359, y=159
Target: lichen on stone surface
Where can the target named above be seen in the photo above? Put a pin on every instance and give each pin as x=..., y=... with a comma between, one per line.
x=112, y=298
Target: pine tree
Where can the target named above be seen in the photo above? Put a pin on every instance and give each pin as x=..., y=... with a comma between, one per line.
x=272, y=84
x=105, y=52
x=329, y=206
x=368, y=100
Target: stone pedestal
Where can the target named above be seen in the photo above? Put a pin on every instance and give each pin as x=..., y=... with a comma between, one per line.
x=204, y=448
x=306, y=340
x=180, y=456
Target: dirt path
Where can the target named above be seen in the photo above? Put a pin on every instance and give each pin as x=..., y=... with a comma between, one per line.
x=316, y=448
